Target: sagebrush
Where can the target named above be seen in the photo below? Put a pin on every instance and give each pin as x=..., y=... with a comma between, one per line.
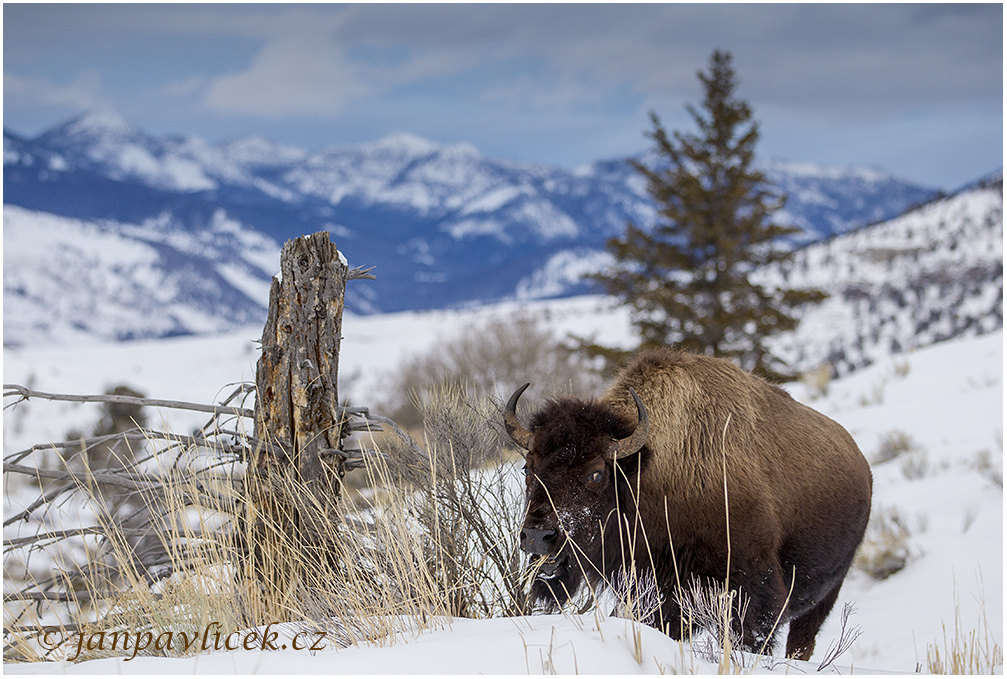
x=488, y=360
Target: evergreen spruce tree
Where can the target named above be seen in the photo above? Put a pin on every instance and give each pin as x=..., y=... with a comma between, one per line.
x=688, y=279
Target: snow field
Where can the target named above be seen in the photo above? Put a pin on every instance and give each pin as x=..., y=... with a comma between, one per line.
x=948, y=398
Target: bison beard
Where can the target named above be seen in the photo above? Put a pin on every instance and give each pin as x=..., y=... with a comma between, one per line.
x=609, y=494
x=557, y=578
x=555, y=582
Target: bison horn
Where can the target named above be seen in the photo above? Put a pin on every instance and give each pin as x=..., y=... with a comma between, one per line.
x=521, y=436
x=634, y=441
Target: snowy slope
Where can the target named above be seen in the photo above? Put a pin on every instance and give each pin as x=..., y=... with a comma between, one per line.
x=107, y=141
x=70, y=280
x=948, y=398
x=931, y=274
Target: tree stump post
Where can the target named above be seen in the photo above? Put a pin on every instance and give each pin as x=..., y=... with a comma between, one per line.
x=294, y=493
x=297, y=403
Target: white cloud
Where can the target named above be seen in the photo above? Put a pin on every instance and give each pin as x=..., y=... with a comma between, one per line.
x=305, y=68
x=838, y=59
x=82, y=93
x=303, y=72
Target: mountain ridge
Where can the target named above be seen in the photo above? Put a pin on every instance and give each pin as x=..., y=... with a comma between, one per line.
x=443, y=225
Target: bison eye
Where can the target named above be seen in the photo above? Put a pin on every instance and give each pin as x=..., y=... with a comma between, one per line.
x=525, y=470
x=595, y=478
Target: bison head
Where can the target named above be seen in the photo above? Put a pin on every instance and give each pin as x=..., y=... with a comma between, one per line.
x=579, y=457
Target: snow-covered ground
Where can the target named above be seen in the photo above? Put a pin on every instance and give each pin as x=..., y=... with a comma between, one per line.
x=948, y=398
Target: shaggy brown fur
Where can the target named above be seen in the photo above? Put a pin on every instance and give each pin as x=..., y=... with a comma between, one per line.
x=798, y=491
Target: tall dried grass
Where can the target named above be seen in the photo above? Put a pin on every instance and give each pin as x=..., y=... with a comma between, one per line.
x=438, y=540
x=968, y=650
x=436, y=537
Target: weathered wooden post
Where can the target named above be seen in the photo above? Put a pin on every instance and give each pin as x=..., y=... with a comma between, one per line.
x=297, y=403
x=294, y=482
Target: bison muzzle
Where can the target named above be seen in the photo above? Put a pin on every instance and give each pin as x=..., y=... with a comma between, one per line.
x=697, y=473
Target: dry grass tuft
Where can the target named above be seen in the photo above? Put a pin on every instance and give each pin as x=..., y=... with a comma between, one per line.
x=187, y=546
x=885, y=549
x=892, y=444
x=966, y=652
x=816, y=381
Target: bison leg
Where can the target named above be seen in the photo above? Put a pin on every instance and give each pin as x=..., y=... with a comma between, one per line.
x=804, y=628
x=761, y=600
x=755, y=608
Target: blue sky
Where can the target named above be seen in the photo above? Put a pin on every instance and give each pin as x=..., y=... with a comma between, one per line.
x=913, y=89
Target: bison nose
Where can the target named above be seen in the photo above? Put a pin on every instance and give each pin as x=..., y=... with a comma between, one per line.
x=538, y=540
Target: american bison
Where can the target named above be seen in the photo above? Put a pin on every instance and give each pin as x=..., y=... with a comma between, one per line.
x=700, y=472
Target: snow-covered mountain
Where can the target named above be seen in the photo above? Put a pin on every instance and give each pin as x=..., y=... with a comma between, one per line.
x=929, y=275
x=190, y=232
x=67, y=280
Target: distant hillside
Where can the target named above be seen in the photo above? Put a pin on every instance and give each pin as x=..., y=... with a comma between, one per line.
x=191, y=232
x=932, y=274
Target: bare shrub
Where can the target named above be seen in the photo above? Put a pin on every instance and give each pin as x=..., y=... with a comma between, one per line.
x=817, y=381
x=892, y=444
x=115, y=418
x=847, y=637
x=986, y=468
x=876, y=396
x=494, y=358
x=637, y=596
x=885, y=549
x=994, y=476
x=896, y=443
x=900, y=368
x=466, y=499
x=914, y=464
x=78, y=562
x=712, y=617
x=440, y=539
